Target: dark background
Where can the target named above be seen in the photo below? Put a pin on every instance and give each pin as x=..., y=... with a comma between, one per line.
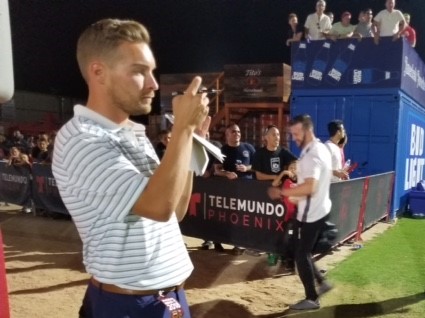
x=188, y=36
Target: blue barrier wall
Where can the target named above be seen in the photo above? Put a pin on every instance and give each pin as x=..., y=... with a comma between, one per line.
x=379, y=93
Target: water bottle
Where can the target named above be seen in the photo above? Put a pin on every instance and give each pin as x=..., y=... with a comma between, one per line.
x=370, y=76
x=299, y=64
x=341, y=64
x=347, y=165
x=320, y=63
x=271, y=259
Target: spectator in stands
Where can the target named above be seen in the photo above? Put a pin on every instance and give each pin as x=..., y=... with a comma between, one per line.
x=409, y=33
x=341, y=144
x=317, y=24
x=44, y=154
x=112, y=183
x=31, y=143
x=238, y=160
x=36, y=150
x=3, y=148
x=331, y=16
x=270, y=160
x=343, y=29
x=20, y=159
x=312, y=193
x=295, y=32
x=364, y=29
x=389, y=22
x=209, y=171
x=237, y=164
x=336, y=133
x=14, y=156
x=18, y=140
x=164, y=137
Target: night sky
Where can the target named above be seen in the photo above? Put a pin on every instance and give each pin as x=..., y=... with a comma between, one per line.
x=188, y=36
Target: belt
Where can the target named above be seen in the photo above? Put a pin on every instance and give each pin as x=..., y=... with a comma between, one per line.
x=123, y=291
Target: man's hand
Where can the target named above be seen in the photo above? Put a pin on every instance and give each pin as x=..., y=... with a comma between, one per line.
x=191, y=109
x=203, y=129
x=376, y=39
x=274, y=193
x=396, y=36
x=241, y=168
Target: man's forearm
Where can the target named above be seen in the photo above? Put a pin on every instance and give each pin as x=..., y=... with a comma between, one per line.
x=185, y=197
x=263, y=176
x=163, y=193
x=301, y=190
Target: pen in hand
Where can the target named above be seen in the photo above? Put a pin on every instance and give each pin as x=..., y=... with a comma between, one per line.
x=201, y=91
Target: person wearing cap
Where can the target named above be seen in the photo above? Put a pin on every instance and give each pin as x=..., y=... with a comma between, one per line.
x=317, y=24
x=409, y=33
x=389, y=22
x=343, y=29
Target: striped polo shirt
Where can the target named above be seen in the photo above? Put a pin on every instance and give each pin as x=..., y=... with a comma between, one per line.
x=101, y=169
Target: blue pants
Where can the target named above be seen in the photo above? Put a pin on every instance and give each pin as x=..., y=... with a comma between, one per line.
x=102, y=304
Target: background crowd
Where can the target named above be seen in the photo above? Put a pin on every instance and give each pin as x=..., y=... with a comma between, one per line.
x=319, y=25
x=20, y=150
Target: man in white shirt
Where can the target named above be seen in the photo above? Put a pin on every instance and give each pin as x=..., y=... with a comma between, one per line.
x=317, y=24
x=336, y=133
x=389, y=22
x=314, y=205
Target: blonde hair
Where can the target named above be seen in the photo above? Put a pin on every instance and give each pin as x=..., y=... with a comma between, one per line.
x=101, y=40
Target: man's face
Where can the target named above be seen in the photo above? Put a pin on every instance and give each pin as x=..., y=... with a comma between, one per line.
x=320, y=7
x=272, y=138
x=43, y=145
x=390, y=4
x=129, y=81
x=368, y=15
x=342, y=131
x=346, y=20
x=233, y=135
x=165, y=139
x=293, y=21
x=298, y=135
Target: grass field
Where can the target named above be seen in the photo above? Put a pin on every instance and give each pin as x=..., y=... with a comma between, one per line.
x=386, y=278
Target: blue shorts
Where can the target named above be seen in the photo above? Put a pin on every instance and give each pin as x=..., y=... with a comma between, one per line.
x=103, y=304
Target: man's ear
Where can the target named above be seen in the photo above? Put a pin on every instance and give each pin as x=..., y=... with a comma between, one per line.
x=97, y=72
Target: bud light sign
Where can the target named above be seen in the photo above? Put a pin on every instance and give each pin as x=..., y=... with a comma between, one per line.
x=410, y=161
x=347, y=63
x=415, y=161
x=413, y=75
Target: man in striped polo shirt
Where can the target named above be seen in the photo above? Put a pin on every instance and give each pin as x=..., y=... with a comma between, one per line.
x=125, y=205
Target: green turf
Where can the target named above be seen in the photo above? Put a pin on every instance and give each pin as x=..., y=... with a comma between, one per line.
x=384, y=278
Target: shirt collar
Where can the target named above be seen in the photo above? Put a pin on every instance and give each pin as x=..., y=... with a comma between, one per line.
x=80, y=110
x=307, y=148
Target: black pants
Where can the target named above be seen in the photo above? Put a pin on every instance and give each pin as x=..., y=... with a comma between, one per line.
x=306, y=237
